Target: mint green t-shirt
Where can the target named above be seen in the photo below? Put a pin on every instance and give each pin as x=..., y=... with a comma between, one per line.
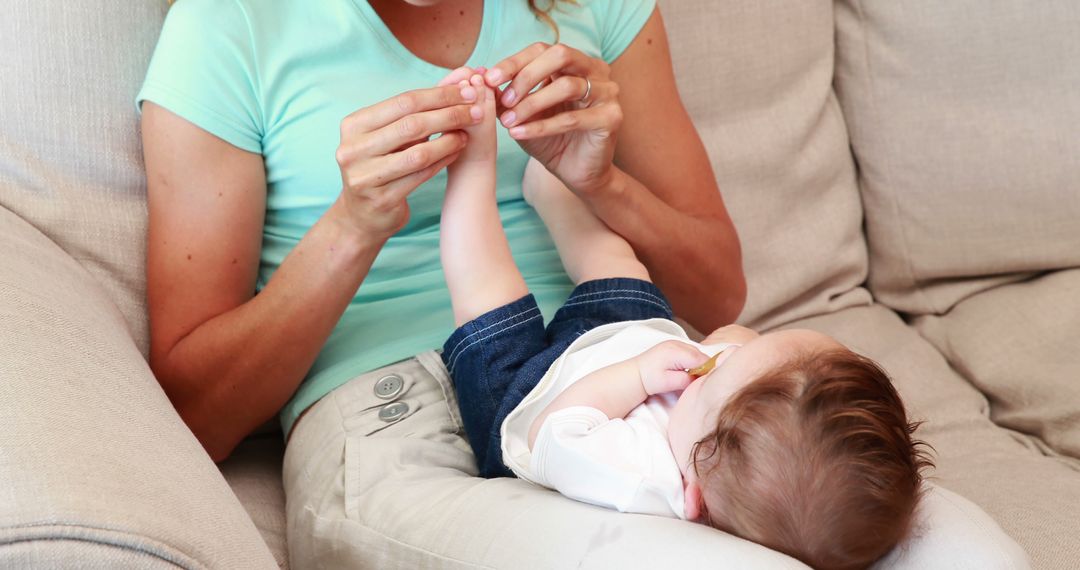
x=276, y=77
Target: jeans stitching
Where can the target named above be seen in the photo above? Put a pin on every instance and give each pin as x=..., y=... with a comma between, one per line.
x=643, y=293
x=649, y=301
x=451, y=362
x=451, y=356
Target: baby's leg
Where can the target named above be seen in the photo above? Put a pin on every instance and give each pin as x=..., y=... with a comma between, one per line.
x=589, y=249
x=479, y=269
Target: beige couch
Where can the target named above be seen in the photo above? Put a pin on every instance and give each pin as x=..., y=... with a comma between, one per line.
x=905, y=175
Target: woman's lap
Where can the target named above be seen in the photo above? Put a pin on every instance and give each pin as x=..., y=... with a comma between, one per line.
x=366, y=493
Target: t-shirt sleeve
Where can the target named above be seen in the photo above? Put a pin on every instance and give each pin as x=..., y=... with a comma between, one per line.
x=582, y=454
x=204, y=70
x=620, y=22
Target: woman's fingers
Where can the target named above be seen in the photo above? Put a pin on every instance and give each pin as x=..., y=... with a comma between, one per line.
x=558, y=59
x=386, y=169
x=381, y=114
x=420, y=126
x=459, y=74
x=424, y=155
x=402, y=187
x=508, y=68
x=601, y=118
x=565, y=89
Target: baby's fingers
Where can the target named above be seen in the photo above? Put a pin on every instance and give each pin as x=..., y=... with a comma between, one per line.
x=677, y=380
x=682, y=356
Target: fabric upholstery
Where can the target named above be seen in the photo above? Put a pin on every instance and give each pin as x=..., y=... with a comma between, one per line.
x=756, y=76
x=59, y=554
x=1018, y=344
x=92, y=451
x=70, y=159
x=1020, y=486
x=253, y=471
x=963, y=118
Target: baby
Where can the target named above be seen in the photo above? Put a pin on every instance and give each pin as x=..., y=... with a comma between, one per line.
x=789, y=440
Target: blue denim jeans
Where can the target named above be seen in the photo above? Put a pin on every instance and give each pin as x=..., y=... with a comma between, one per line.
x=496, y=359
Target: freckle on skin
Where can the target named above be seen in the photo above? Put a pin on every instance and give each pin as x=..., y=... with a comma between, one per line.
x=234, y=261
x=219, y=194
x=649, y=41
x=462, y=12
x=189, y=257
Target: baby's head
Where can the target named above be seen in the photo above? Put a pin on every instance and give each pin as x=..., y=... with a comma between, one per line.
x=799, y=444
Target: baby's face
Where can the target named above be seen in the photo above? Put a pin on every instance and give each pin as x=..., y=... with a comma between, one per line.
x=695, y=414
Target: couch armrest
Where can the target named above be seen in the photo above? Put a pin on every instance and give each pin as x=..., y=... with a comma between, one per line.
x=95, y=465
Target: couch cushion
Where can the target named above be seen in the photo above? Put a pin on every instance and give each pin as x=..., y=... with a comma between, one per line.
x=1018, y=344
x=963, y=118
x=1031, y=495
x=756, y=76
x=92, y=452
x=253, y=471
x=70, y=161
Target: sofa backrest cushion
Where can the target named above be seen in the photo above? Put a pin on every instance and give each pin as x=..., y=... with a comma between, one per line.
x=70, y=160
x=756, y=76
x=965, y=123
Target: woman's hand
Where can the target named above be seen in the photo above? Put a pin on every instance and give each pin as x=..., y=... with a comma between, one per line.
x=385, y=152
x=570, y=123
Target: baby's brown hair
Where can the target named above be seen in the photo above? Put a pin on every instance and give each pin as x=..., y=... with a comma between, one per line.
x=815, y=459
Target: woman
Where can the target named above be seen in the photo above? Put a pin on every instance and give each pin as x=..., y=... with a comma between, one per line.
x=287, y=151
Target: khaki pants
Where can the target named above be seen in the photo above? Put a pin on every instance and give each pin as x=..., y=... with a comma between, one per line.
x=389, y=482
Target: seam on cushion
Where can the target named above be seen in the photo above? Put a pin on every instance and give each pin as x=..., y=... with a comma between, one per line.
x=895, y=199
x=100, y=536
x=86, y=341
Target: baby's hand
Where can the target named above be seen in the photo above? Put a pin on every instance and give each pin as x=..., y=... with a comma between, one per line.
x=663, y=367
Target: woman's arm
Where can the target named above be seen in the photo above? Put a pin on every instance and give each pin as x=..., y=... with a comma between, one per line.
x=227, y=358
x=663, y=197
x=624, y=142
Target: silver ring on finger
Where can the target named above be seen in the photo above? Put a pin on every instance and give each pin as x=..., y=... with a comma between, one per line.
x=588, y=91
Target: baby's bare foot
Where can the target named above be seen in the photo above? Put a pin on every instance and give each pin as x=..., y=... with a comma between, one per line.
x=482, y=146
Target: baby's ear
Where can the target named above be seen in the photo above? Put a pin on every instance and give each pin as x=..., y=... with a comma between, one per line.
x=693, y=501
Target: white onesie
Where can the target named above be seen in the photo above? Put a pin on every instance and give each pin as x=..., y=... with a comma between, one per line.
x=624, y=464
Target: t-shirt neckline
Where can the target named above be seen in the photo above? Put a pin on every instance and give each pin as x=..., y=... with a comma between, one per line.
x=479, y=55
